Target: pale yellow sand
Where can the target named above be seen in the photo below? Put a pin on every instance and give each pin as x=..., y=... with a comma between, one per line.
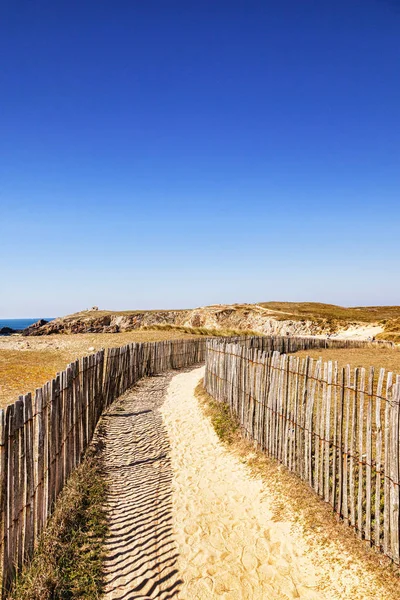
x=229, y=546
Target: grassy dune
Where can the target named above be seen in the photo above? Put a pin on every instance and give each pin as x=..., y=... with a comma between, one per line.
x=337, y=316
x=305, y=310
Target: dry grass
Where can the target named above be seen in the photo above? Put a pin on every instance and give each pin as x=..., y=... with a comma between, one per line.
x=226, y=427
x=311, y=310
x=359, y=357
x=296, y=501
x=391, y=331
x=68, y=563
x=22, y=371
x=196, y=331
x=27, y=363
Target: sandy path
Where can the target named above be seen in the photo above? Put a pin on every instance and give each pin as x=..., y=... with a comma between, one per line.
x=140, y=548
x=228, y=545
x=188, y=521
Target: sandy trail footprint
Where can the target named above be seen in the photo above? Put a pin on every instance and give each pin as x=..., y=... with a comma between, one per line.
x=229, y=547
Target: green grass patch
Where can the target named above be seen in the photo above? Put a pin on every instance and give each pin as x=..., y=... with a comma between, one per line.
x=225, y=424
x=68, y=562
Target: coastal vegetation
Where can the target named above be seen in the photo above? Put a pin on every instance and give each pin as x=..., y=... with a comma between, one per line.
x=208, y=331
x=68, y=561
x=337, y=317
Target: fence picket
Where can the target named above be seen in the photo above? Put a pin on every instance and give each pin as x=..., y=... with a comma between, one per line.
x=378, y=459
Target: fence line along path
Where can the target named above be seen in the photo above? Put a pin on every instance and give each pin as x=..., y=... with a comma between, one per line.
x=43, y=437
x=337, y=429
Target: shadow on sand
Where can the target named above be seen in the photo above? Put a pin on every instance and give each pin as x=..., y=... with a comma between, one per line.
x=141, y=556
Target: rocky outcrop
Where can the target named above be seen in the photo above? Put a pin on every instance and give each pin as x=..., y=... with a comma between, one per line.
x=254, y=319
x=101, y=322
x=210, y=317
x=218, y=317
x=34, y=327
x=7, y=331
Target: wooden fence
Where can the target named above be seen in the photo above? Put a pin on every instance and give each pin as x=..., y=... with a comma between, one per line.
x=43, y=438
x=336, y=428
x=288, y=344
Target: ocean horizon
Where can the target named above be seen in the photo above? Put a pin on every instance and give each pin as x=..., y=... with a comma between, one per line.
x=20, y=324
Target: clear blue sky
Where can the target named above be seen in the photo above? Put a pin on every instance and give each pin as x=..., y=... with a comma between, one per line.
x=165, y=154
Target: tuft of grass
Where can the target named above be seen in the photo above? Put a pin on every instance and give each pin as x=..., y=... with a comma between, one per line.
x=226, y=426
x=391, y=330
x=68, y=562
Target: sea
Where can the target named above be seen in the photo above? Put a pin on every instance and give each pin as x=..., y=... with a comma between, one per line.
x=19, y=324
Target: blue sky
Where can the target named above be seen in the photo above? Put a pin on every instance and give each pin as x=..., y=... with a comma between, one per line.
x=167, y=154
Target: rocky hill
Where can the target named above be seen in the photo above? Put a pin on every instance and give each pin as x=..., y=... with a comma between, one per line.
x=277, y=318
